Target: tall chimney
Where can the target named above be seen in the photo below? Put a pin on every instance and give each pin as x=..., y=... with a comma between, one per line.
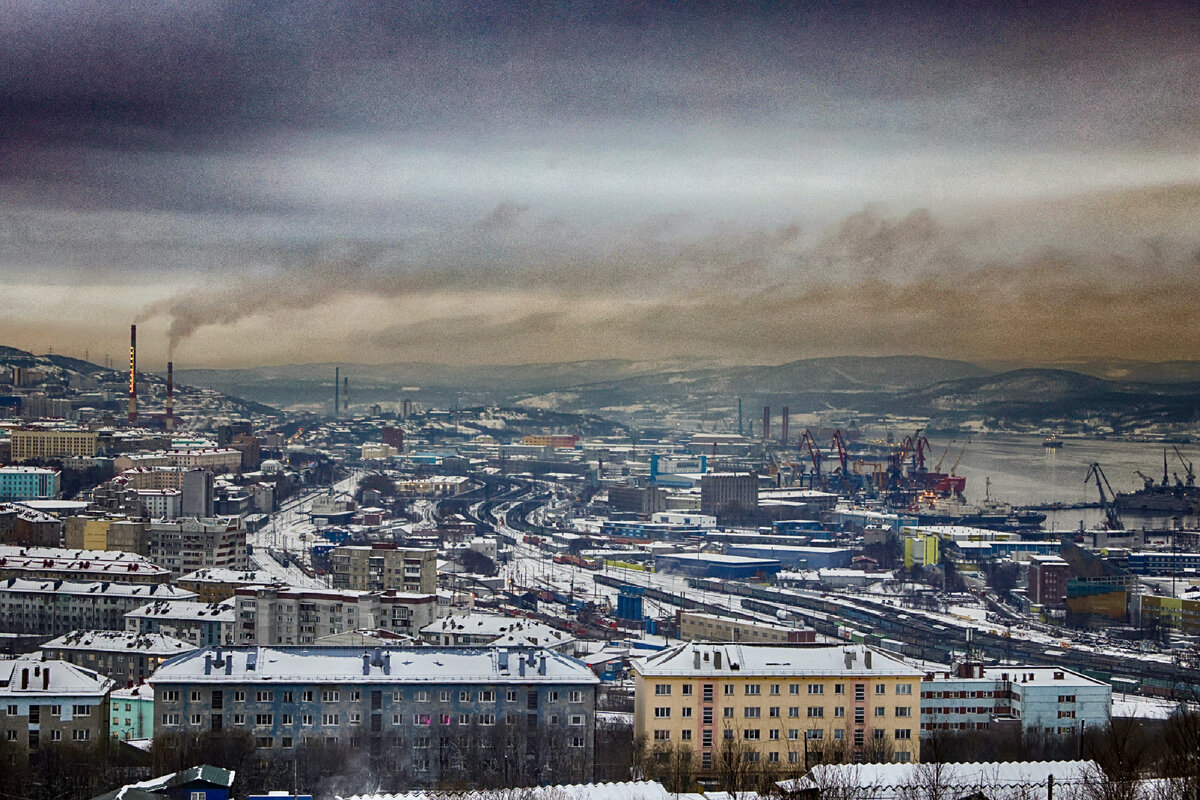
x=132, y=374
x=783, y=433
x=337, y=380
x=170, y=395
x=766, y=430
x=346, y=395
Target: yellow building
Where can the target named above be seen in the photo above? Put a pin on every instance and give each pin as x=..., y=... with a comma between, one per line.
x=778, y=705
x=29, y=444
x=1169, y=612
x=105, y=533
x=567, y=441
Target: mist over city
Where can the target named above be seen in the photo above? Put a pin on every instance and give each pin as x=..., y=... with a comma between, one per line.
x=571, y=401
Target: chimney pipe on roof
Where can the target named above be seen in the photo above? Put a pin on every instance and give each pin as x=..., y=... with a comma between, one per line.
x=366, y=663
x=46, y=678
x=716, y=659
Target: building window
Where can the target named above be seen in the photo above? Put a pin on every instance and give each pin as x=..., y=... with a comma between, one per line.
x=422, y=719
x=662, y=735
x=686, y=713
x=194, y=696
x=264, y=720
x=903, y=711
x=727, y=712
x=265, y=697
x=444, y=695
x=880, y=711
x=860, y=716
x=81, y=735
x=773, y=734
x=329, y=719
x=307, y=697
x=577, y=719
x=464, y=719
x=56, y=711
x=464, y=696
x=195, y=720
x=816, y=688
x=662, y=688
x=239, y=719
x=903, y=688
x=578, y=741
x=170, y=719
x=662, y=712
x=286, y=742
x=170, y=696
x=902, y=733
x=487, y=719
x=816, y=711
x=487, y=696
x=774, y=688
x=239, y=697
x=751, y=733
x=706, y=716
x=774, y=712
x=753, y=688
x=686, y=689
x=839, y=711
x=860, y=692
x=752, y=712
x=264, y=741
x=333, y=696
x=903, y=756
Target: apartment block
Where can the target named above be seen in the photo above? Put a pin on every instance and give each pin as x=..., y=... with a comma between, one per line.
x=193, y=621
x=29, y=483
x=291, y=616
x=124, y=656
x=382, y=567
x=53, y=443
x=131, y=712
x=1048, y=577
x=52, y=608
x=57, y=563
x=214, y=585
x=1052, y=701
x=438, y=714
x=782, y=704
x=45, y=702
x=186, y=545
x=106, y=532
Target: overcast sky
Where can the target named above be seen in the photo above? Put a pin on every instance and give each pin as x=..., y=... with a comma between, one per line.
x=278, y=182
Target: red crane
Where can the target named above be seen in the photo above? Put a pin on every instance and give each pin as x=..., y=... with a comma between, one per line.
x=806, y=439
x=840, y=444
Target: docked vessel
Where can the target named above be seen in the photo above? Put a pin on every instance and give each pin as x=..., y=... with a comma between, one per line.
x=1052, y=442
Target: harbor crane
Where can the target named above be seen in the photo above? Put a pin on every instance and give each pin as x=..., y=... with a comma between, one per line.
x=938, y=467
x=814, y=452
x=840, y=443
x=953, y=469
x=1190, y=478
x=1111, y=521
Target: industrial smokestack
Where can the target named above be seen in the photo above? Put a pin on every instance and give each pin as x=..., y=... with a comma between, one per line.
x=783, y=433
x=766, y=430
x=739, y=416
x=132, y=374
x=170, y=395
x=337, y=379
x=346, y=395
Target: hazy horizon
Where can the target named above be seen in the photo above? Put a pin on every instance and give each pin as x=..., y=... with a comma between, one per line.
x=313, y=182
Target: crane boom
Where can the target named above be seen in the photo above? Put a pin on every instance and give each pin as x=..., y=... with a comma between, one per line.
x=1112, y=521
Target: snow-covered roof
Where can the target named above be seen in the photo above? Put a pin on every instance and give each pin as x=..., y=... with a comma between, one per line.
x=491, y=625
x=28, y=676
x=186, y=609
x=745, y=660
x=97, y=564
x=630, y=790
x=151, y=644
x=224, y=575
x=147, y=590
x=357, y=665
x=1020, y=675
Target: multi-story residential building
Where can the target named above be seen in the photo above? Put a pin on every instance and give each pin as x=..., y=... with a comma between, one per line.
x=160, y=503
x=779, y=704
x=434, y=485
x=711, y=628
x=47, y=702
x=53, y=443
x=437, y=714
x=21, y=525
x=725, y=492
x=1048, y=576
x=1043, y=700
x=473, y=630
x=380, y=567
x=131, y=712
x=124, y=656
x=186, y=545
x=106, y=532
x=217, y=459
x=292, y=615
x=57, y=563
x=213, y=585
x=29, y=483
x=196, y=622
x=52, y=608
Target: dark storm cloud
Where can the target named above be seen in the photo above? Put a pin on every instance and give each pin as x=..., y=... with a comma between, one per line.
x=628, y=176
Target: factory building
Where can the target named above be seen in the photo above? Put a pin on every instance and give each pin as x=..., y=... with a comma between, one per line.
x=712, y=565
x=725, y=492
x=783, y=702
x=438, y=714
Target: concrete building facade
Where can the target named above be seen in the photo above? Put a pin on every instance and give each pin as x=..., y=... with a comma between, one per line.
x=49, y=702
x=783, y=703
x=29, y=483
x=186, y=545
x=382, y=567
x=52, y=608
x=296, y=616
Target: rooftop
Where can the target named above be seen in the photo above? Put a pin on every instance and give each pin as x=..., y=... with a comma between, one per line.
x=388, y=665
x=155, y=644
x=28, y=675
x=147, y=590
x=743, y=660
x=186, y=609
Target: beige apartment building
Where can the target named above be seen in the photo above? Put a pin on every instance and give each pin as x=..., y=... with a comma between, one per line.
x=695, y=625
x=28, y=444
x=376, y=568
x=780, y=705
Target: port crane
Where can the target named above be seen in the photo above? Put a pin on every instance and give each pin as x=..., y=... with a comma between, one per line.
x=1190, y=479
x=953, y=469
x=1111, y=521
x=814, y=452
x=938, y=467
